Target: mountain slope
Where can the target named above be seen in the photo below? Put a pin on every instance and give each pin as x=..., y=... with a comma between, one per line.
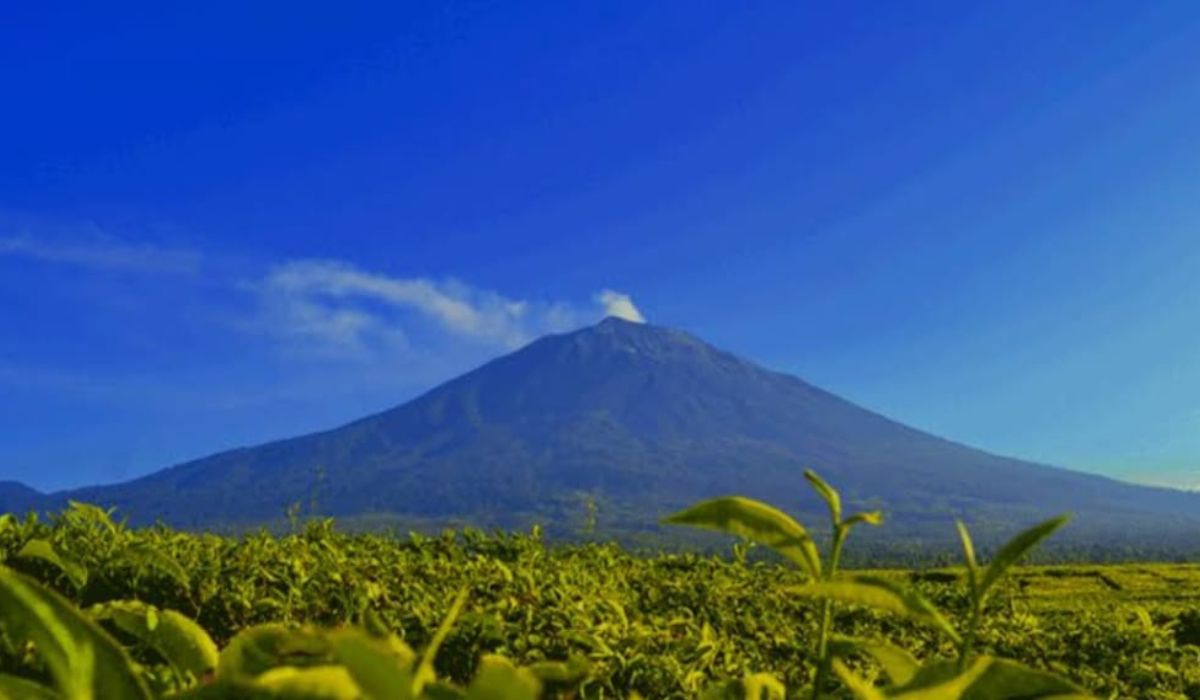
x=644, y=419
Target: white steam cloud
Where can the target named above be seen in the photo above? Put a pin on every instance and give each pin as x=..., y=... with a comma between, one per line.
x=619, y=305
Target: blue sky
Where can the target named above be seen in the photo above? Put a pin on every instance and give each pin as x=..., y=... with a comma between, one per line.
x=223, y=224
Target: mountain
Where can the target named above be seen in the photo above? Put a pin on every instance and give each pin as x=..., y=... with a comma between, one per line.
x=642, y=420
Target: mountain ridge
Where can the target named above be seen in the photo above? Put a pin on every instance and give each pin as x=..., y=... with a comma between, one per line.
x=644, y=419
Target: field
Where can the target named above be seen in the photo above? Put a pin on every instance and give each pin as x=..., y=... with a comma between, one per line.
x=662, y=626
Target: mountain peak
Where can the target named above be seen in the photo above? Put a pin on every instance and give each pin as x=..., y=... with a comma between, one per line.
x=646, y=419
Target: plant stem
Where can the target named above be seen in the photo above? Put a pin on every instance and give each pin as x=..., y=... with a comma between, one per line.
x=823, y=661
x=968, y=644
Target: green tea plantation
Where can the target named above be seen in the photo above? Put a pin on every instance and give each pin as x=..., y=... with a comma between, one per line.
x=92, y=609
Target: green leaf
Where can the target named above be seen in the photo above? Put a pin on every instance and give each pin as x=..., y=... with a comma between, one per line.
x=17, y=688
x=898, y=663
x=424, y=673
x=381, y=666
x=763, y=686
x=147, y=555
x=871, y=517
x=880, y=594
x=1009, y=680
x=572, y=670
x=312, y=683
x=43, y=550
x=83, y=660
x=180, y=641
x=969, y=553
x=860, y=688
x=256, y=650
x=1016, y=548
x=498, y=679
x=828, y=494
x=756, y=686
x=758, y=522
x=941, y=680
x=86, y=513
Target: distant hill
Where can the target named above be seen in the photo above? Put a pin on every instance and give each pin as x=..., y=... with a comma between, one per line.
x=643, y=420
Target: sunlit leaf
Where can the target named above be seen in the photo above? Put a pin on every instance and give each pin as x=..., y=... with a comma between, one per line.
x=311, y=683
x=860, y=688
x=180, y=641
x=827, y=493
x=898, y=663
x=382, y=667
x=1006, y=680
x=1016, y=548
x=870, y=517
x=758, y=522
x=499, y=679
x=256, y=650
x=968, y=548
x=941, y=680
x=880, y=594
x=83, y=660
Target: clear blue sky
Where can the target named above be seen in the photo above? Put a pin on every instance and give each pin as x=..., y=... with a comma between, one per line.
x=222, y=223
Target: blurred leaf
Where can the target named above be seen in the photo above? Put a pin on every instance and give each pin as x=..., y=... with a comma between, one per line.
x=83, y=660
x=424, y=673
x=177, y=638
x=880, y=594
x=898, y=663
x=17, y=688
x=43, y=550
x=256, y=650
x=827, y=493
x=499, y=679
x=382, y=667
x=311, y=683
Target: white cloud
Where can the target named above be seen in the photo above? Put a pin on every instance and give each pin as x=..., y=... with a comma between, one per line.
x=348, y=310
x=619, y=305
x=102, y=252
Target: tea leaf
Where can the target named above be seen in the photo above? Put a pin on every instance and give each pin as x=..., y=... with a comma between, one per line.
x=17, y=688
x=941, y=680
x=424, y=673
x=382, y=667
x=969, y=553
x=827, y=493
x=83, y=660
x=871, y=517
x=43, y=550
x=498, y=679
x=256, y=650
x=758, y=522
x=881, y=594
x=859, y=687
x=1016, y=548
x=312, y=683
x=898, y=663
x=178, y=639
x=1005, y=679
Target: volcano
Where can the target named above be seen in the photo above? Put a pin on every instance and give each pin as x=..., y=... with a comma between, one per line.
x=638, y=420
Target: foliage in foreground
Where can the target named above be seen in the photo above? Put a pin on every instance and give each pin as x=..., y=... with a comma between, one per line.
x=967, y=676
x=306, y=609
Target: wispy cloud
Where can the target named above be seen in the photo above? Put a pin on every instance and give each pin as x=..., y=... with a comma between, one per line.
x=102, y=252
x=339, y=308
